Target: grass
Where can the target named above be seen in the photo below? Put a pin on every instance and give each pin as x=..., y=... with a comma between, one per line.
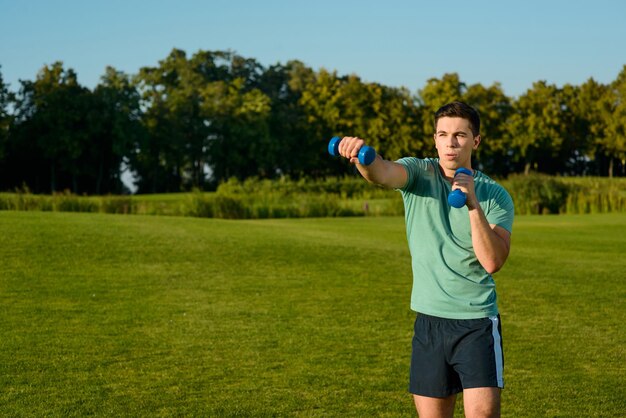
x=254, y=198
x=110, y=315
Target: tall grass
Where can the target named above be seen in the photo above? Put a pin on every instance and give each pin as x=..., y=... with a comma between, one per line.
x=332, y=197
x=538, y=194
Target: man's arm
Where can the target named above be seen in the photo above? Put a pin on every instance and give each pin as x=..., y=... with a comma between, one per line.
x=491, y=242
x=382, y=172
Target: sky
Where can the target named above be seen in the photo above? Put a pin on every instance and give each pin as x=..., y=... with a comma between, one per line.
x=397, y=43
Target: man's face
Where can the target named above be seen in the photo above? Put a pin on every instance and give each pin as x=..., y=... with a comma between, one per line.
x=455, y=142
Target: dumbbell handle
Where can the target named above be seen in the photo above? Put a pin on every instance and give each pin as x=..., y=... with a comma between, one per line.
x=457, y=198
x=366, y=155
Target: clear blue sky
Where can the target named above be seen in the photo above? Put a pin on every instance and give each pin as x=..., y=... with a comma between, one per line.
x=393, y=42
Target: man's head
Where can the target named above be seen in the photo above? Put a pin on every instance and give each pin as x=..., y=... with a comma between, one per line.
x=457, y=128
x=460, y=110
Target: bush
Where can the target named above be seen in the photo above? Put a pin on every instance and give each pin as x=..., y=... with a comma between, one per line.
x=537, y=194
x=541, y=194
x=201, y=205
x=351, y=196
x=595, y=195
x=67, y=202
x=230, y=207
x=116, y=204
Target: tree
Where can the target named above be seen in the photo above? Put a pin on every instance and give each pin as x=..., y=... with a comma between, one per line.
x=294, y=140
x=583, y=125
x=534, y=130
x=386, y=117
x=176, y=132
x=115, y=130
x=397, y=122
x=589, y=105
x=495, y=108
x=51, y=130
x=204, y=116
x=613, y=111
x=437, y=93
x=193, y=122
x=6, y=98
x=239, y=141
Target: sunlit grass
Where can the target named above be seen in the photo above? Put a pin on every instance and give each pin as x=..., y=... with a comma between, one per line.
x=163, y=316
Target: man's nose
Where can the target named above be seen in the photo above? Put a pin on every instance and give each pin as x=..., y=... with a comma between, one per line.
x=452, y=142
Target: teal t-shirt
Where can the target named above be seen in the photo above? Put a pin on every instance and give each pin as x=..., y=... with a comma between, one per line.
x=448, y=279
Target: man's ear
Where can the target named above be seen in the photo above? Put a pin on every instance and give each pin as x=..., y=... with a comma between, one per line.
x=476, y=141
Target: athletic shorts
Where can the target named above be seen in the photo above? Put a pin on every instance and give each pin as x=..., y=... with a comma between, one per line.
x=450, y=355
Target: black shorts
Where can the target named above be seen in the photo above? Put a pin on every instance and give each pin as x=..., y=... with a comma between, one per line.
x=450, y=355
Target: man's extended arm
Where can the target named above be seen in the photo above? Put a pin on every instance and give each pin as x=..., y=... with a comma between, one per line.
x=382, y=172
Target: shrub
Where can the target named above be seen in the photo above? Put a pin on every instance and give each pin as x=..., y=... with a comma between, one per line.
x=116, y=204
x=350, y=196
x=537, y=194
x=201, y=205
x=229, y=207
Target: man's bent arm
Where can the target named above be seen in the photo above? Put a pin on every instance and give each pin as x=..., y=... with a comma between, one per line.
x=491, y=242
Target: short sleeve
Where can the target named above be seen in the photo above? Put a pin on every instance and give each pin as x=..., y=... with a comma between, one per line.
x=501, y=210
x=414, y=167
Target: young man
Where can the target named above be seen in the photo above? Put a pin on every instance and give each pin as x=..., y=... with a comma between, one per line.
x=457, y=345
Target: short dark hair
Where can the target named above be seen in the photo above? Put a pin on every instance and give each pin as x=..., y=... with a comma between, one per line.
x=460, y=110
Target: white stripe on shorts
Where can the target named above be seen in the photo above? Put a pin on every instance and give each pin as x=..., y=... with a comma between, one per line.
x=497, y=346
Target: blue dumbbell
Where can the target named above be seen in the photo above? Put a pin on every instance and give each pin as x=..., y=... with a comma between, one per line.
x=366, y=155
x=457, y=198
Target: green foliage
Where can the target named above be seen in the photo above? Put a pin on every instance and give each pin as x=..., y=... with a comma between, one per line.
x=143, y=316
x=259, y=199
x=613, y=114
x=535, y=129
x=494, y=108
x=193, y=122
x=203, y=111
x=387, y=117
x=350, y=196
x=6, y=97
x=596, y=195
x=66, y=137
x=437, y=93
x=116, y=130
x=65, y=202
x=542, y=194
x=537, y=194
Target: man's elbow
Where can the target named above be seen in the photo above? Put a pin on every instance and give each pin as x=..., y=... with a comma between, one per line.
x=493, y=266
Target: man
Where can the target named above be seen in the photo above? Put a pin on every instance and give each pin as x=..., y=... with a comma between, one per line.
x=457, y=345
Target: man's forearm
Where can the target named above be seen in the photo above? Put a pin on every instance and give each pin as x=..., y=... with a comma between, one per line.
x=490, y=248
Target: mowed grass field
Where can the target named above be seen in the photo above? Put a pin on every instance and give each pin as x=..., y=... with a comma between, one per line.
x=111, y=315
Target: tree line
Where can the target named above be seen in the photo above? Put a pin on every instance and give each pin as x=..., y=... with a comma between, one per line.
x=196, y=121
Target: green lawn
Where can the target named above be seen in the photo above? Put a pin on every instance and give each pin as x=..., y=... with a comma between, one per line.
x=112, y=315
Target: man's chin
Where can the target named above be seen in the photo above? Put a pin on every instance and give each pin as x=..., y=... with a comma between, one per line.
x=449, y=164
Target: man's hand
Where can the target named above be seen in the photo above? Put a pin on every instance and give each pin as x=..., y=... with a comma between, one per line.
x=349, y=148
x=465, y=183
